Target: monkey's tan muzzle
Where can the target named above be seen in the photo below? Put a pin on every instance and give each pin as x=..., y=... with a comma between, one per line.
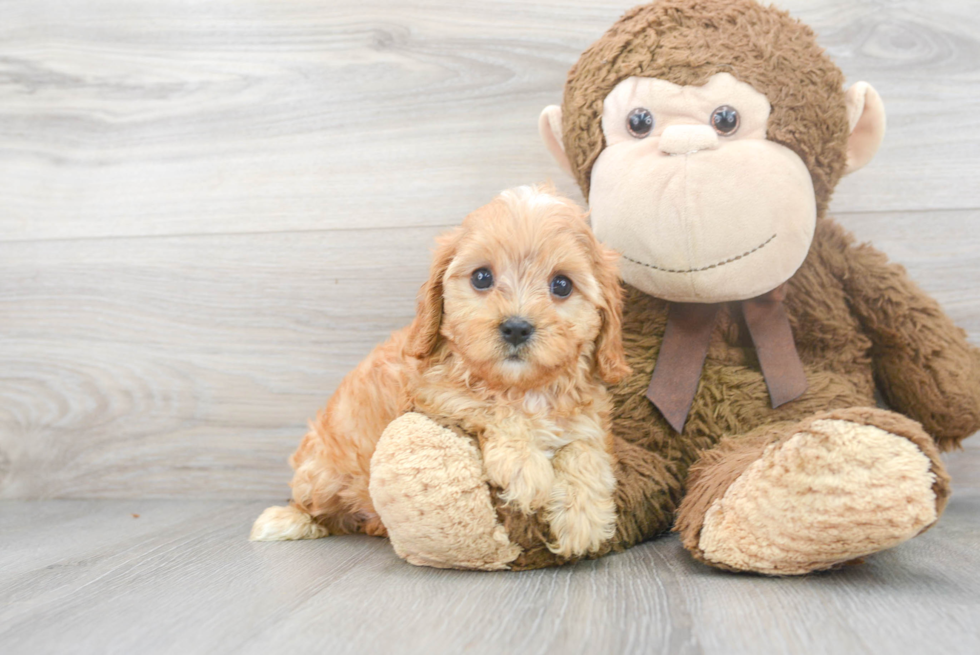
x=687, y=139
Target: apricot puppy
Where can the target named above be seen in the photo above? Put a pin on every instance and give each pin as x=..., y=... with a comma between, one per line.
x=517, y=329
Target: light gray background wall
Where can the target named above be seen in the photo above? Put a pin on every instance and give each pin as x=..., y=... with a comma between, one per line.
x=209, y=212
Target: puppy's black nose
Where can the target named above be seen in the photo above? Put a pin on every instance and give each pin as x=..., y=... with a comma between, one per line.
x=516, y=331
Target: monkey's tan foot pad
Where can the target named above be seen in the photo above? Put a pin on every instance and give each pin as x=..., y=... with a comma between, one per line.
x=430, y=490
x=838, y=488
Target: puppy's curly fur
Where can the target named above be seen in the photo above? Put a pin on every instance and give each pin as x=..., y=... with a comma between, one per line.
x=538, y=406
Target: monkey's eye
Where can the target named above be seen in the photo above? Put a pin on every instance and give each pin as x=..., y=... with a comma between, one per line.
x=561, y=286
x=482, y=279
x=639, y=122
x=725, y=120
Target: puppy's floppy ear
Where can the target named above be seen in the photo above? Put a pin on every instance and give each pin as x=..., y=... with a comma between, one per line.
x=424, y=331
x=610, y=359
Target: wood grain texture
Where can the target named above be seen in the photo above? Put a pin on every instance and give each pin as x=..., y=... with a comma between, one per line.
x=210, y=212
x=188, y=366
x=183, y=578
x=167, y=117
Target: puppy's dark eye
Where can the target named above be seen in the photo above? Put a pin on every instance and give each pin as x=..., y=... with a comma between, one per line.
x=482, y=279
x=725, y=120
x=561, y=286
x=639, y=122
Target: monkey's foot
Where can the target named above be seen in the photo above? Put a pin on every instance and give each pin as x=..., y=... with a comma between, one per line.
x=830, y=489
x=430, y=490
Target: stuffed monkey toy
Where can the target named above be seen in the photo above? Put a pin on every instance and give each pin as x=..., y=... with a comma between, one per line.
x=708, y=137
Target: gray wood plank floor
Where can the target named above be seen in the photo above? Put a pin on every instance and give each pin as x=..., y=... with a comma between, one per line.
x=86, y=576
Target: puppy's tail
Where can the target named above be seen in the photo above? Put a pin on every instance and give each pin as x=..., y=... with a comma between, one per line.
x=286, y=524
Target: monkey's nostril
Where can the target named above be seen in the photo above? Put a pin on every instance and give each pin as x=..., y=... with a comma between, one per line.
x=516, y=331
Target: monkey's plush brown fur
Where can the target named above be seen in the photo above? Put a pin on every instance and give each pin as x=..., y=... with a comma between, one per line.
x=823, y=479
x=858, y=321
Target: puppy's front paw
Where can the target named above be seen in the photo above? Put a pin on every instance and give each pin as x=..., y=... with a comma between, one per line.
x=579, y=528
x=525, y=475
x=582, y=509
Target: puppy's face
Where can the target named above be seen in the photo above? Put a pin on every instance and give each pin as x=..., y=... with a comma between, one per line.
x=527, y=290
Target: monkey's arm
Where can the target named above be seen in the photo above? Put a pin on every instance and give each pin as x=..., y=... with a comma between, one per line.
x=647, y=493
x=923, y=362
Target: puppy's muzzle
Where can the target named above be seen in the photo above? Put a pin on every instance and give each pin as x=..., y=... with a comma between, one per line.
x=516, y=331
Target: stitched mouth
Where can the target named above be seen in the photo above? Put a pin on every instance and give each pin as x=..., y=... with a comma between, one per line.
x=704, y=268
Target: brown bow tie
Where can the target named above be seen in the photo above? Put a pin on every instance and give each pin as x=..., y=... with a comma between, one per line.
x=685, y=345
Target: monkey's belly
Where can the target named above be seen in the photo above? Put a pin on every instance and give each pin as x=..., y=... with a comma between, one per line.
x=732, y=399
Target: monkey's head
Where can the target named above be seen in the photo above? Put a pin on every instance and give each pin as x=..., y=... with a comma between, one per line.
x=707, y=136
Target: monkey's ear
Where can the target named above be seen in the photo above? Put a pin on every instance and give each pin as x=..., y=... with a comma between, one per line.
x=866, y=115
x=549, y=125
